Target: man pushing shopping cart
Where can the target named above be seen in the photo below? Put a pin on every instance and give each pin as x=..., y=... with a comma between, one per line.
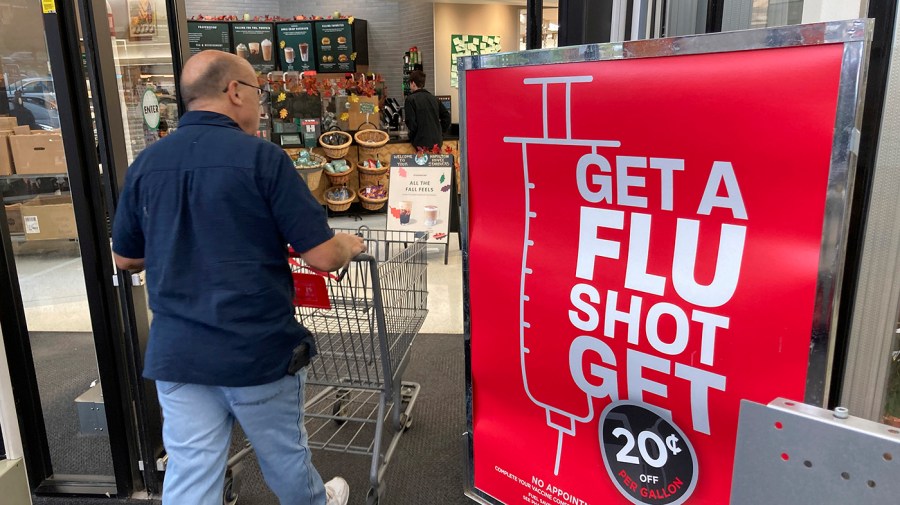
x=207, y=211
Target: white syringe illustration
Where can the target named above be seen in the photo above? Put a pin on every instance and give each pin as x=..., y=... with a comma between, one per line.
x=591, y=158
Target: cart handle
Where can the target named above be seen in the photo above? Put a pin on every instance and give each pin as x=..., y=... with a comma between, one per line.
x=292, y=255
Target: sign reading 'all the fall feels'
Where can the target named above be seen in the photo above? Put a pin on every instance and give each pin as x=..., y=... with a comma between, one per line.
x=419, y=198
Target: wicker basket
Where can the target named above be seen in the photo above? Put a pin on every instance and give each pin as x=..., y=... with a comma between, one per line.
x=340, y=205
x=372, y=203
x=338, y=151
x=372, y=176
x=311, y=169
x=341, y=178
x=370, y=142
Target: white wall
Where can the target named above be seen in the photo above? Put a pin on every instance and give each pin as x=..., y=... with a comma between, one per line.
x=468, y=19
x=817, y=11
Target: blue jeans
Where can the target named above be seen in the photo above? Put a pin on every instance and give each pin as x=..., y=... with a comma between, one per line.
x=197, y=422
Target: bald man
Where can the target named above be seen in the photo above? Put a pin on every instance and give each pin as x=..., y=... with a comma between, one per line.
x=209, y=211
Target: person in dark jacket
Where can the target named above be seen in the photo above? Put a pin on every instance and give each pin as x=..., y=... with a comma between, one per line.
x=426, y=118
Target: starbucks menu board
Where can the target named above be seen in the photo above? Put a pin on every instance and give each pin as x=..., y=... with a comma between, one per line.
x=296, y=46
x=255, y=42
x=334, y=46
x=203, y=35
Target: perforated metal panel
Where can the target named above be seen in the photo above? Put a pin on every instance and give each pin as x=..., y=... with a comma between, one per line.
x=789, y=453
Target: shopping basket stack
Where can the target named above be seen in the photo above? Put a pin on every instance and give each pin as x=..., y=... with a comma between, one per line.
x=358, y=402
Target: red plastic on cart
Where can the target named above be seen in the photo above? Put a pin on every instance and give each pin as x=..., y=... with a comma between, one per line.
x=310, y=291
x=309, y=288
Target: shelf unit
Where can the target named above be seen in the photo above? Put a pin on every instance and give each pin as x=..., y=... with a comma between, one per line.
x=60, y=187
x=32, y=176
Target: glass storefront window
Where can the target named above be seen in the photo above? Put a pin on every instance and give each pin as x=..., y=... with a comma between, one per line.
x=549, y=28
x=767, y=13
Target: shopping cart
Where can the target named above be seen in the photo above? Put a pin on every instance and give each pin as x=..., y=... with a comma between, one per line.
x=357, y=401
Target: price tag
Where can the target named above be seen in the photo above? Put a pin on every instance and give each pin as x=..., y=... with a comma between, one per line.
x=647, y=456
x=367, y=108
x=48, y=6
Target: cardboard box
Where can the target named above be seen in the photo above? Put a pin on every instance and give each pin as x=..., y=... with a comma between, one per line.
x=22, y=130
x=14, y=218
x=48, y=221
x=6, y=161
x=7, y=123
x=38, y=154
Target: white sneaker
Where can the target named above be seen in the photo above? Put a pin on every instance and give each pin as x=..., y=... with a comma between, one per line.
x=337, y=491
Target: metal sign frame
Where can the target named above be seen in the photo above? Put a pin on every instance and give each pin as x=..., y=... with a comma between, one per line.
x=855, y=35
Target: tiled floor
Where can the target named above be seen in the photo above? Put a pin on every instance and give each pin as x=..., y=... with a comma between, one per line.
x=53, y=285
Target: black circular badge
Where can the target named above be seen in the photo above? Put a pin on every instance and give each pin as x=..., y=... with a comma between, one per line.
x=647, y=456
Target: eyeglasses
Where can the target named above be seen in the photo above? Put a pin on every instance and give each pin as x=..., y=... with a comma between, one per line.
x=259, y=90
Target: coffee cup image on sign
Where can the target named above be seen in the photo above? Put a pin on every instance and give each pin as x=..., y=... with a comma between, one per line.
x=254, y=48
x=289, y=55
x=431, y=215
x=405, y=208
x=266, y=46
x=342, y=40
x=242, y=51
x=342, y=58
x=304, y=51
x=326, y=41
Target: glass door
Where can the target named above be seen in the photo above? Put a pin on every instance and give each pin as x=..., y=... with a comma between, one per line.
x=60, y=315
x=139, y=67
x=48, y=263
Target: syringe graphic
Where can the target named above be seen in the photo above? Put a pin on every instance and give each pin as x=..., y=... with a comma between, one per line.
x=557, y=418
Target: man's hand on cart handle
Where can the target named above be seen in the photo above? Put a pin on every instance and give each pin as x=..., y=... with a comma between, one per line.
x=335, y=253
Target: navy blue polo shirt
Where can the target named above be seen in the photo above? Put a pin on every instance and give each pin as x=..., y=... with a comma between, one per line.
x=211, y=210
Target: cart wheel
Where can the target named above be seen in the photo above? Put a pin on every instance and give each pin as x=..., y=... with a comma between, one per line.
x=340, y=405
x=373, y=496
x=229, y=497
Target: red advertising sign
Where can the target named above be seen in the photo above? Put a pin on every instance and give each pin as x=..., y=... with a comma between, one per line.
x=644, y=245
